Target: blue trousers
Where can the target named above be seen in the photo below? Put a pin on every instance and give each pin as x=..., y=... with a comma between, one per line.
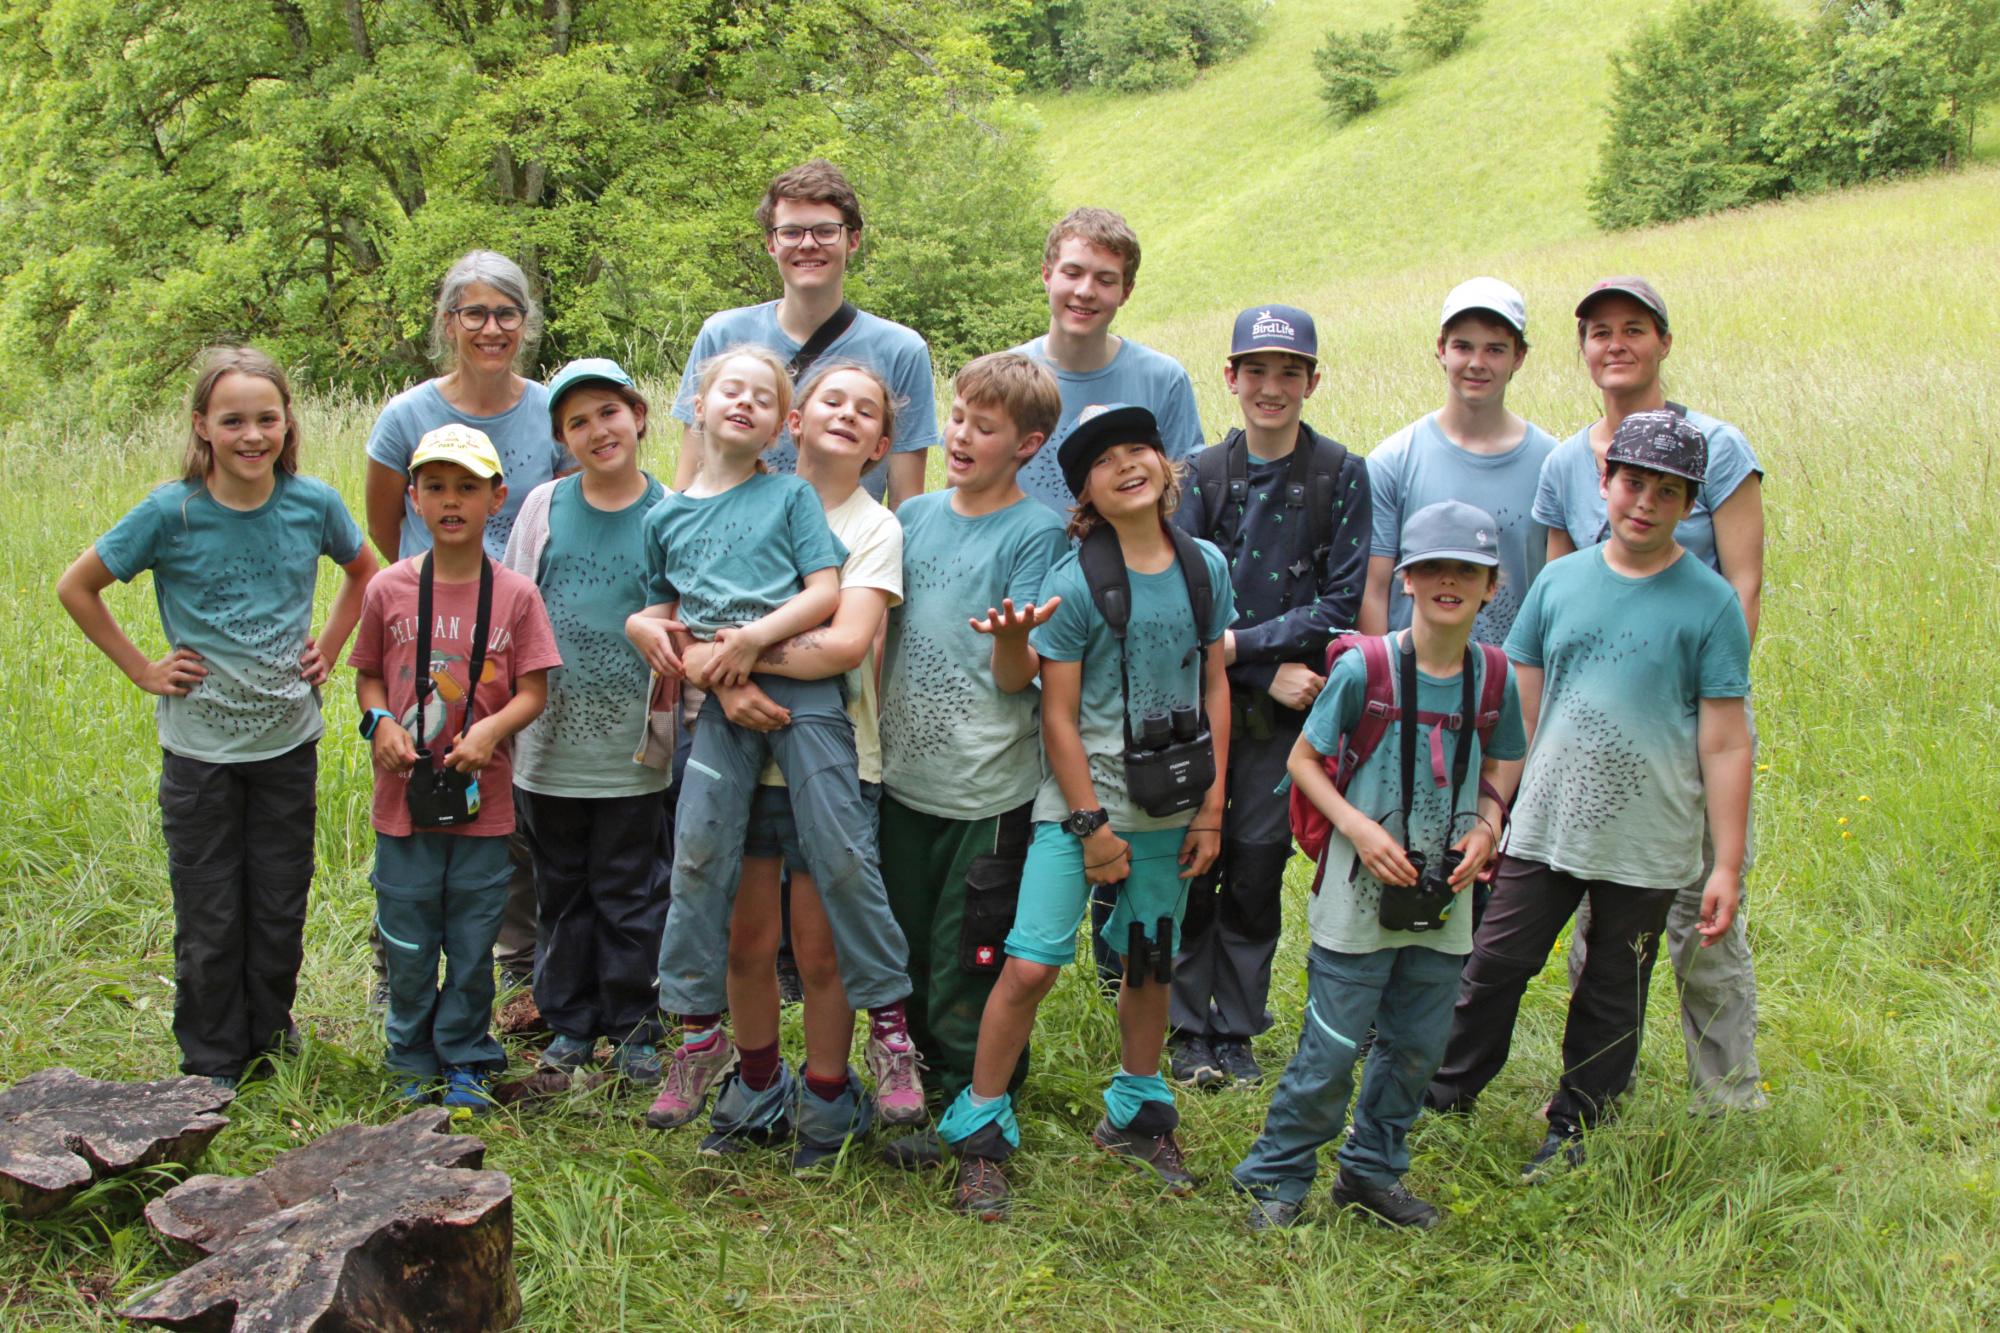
x=1407, y=994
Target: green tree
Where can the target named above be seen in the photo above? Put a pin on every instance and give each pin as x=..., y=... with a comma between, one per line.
x=1353, y=69
x=1125, y=45
x=1436, y=29
x=1691, y=102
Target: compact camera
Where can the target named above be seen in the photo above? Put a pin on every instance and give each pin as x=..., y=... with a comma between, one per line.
x=441, y=797
x=1427, y=904
x=1170, y=762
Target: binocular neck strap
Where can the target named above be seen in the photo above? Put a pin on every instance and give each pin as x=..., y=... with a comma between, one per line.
x=476, y=668
x=1407, y=713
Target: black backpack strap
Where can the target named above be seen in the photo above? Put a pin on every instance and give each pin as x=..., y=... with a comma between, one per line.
x=1200, y=590
x=1238, y=455
x=1677, y=409
x=1103, y=564
x=1329, y=458
x=1210, y=470
x=823, y=337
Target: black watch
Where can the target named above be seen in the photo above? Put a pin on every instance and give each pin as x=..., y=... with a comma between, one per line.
x=1083, y=823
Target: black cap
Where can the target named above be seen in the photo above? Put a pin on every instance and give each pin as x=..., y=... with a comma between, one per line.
x=1100, y=427
x=1661, y=441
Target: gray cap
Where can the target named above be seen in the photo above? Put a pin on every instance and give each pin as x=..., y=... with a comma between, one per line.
x=1637, y=288
x=1450, y=530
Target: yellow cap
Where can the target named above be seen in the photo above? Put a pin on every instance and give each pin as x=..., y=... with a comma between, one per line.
x=466, y=446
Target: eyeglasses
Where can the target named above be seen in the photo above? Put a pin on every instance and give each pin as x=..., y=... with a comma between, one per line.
x=472, y=318
x=826, y=233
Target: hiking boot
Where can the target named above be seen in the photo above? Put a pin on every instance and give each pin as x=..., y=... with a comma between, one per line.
x=1393, y=1206
x=1238, y=1064
x=689, y=1076
x=468, y=1089
x=746, y=1117
x=897, y=1069
x=826, y=1128
x=566, y=1055
x=921, y=1151
x=1194, y=1064
x=636, y=1062
x=1161, y=1155
x=1271, y=1214
x=791, y=990
x=1557, y=1150
x=378, y=994
x=980, y=1190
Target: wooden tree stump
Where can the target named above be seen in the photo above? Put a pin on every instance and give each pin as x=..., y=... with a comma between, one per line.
x=59, y=1131
x=368, y=1227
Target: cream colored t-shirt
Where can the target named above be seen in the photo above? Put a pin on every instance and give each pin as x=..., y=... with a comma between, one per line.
x=874, y=542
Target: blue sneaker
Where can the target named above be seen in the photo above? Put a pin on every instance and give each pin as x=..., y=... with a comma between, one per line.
x=636, y=1062
x=468, y=1088
x=825, y=1128
x=566, y=1055
x=416, y=1090
x=743, y=1118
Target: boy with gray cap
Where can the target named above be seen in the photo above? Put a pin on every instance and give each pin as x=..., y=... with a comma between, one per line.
x=1380, y=956
x=1634, y=660
x=1289, y=509
x=1472, y=449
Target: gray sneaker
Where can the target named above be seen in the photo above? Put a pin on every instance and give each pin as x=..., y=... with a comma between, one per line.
x=1271, y=1214
x=1194, y=1065
x=636, y=1062
x=1239, y=1066
x=566, y=1055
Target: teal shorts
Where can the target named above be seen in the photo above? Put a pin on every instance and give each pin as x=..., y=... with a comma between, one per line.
x=1054, y=893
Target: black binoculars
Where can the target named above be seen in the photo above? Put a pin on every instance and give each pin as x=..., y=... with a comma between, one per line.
x=1426, y=905
x=1159, y=730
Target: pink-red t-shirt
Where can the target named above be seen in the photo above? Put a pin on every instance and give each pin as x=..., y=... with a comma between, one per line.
x=518, y=640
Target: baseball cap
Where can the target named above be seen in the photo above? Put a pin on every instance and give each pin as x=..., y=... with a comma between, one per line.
x=1450, y=530
x=1099, y=427
x=1486, y=294
x=1662, y=441
x=586, y=370
x=1275, y=328
x=466, y=446
x=1637, y=288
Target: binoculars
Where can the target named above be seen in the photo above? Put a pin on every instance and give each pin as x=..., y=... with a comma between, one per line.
x=1426, y=905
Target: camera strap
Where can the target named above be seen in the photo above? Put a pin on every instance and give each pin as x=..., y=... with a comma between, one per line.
x=822, y=338
x=1103, y=564
x=1468, y=718
x=425, y=685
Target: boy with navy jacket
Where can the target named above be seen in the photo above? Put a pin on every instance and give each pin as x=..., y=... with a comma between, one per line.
x=1289, y=509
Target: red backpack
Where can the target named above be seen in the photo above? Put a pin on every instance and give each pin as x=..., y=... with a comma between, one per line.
x=1311, y=829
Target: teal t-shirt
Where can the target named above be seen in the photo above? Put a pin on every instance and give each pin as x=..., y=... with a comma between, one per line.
x=1612, y=789
x=592, y=575
x=1419, y=466
x=730, y=558
x=1165, y=671
x=953, y=743
x=529, y=453
x=1343, y=915
x=1138, y=375
x=236, y=586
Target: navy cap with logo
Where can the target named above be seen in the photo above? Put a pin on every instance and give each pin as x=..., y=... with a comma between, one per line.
x=1637, y=288
x=1275, y=328
x=1661, y=441
x=1098, y=428
x=1450, y=530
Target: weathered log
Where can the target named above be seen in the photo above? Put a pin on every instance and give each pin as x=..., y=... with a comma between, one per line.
x=368, y=1227
x=60, y=1130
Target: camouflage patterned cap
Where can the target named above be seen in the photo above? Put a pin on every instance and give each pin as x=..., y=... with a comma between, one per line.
x=1661, y=441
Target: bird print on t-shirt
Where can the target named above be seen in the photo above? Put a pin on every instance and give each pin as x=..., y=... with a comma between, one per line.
x=1602, y=771
x=918, y=720
x=266, y=686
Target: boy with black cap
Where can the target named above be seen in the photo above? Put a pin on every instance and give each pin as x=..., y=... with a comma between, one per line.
x=1472, y=449
x=1380, y=959
x=1289, y=509
x=1135, y=722
x=1634, y=660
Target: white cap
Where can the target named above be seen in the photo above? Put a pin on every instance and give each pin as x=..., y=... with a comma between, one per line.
x=1486, y=294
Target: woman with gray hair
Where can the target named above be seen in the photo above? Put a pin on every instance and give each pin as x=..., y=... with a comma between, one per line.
x=484, y=327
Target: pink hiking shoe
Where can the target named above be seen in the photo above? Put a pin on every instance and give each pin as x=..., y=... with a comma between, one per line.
x=898, y=1073
x=689, y=1076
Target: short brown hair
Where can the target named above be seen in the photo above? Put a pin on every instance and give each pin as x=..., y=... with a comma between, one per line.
x=891, y=402
x=816, y=182
x=1100, y=227
x=1022, y=387
x=216, y=362
x=1083, y=515
x=624, y=393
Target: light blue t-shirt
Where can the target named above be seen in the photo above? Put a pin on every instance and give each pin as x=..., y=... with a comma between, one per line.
x=897, y=353
x=529, y=453
x=1165, y=670
x=1569, y=497
x=1344, y=914
x=731, y=558
x=1419, y=466
x=236, y=586
x=592, y=575
x=953, y=743
x=1137, y=375
x=1613, y=787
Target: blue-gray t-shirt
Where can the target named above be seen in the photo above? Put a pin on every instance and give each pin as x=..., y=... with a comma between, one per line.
x=731, y=558
x=897, y=353
x=1344, y=914
x=1419, y=465
x=237, y=587
x=954, y=744
x=1569, y=498
x=1137, y=375
x=1166, y=672
x=1612, y=789
x=592, y=576
x=529, y=453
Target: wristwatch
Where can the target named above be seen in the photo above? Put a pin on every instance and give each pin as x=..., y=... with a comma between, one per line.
x=372, y=719
x=1083, y=823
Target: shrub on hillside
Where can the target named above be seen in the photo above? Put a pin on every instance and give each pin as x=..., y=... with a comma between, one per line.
x=1125, y=45
x=1436, y=29
x=1352, y=70
x=1690, y=103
